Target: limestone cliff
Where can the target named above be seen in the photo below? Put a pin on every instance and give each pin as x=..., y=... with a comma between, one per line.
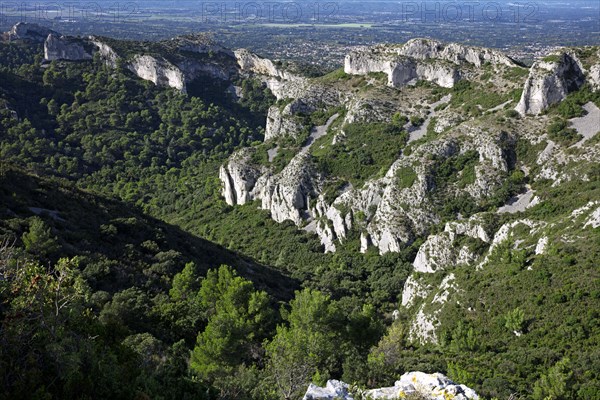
x=550, y=81
x=421, y=59
x=423, y=49
x=157, y=70
x=594, y=76
x=107, y=53
x=283, y=121
x=286, y=194
x=27, y=31
x=65, y=48
x=172, y=63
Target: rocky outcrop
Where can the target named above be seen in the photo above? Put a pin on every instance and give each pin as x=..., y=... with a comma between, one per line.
x=594, y=77
x=282, y=83
x=65, y=48
x=239, y=177
x=418, y=384
x=400, y=71
x=286, y=194
x=413, y=289
x=423, y=49
x=27, y=31
x=594, y=219
x=107, y=53
x=177, y=71
x=391, y=216
x=550, y=81
x=439, y=251
x=251, y=62
x=333, y=390
x=157, y=70
x=421, y=59
x=284, y=121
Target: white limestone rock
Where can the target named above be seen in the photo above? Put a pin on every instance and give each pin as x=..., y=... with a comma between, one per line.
x=593, y=220
x=251, y=62
x=434, y=386
x=326, y=235
x=66, y=48
x=286, y=194
x=413, y=289
x=283, y=122
x=472, y=227
x=282, y=83
x=400, y=71
x=550, y=81
x=28, y=31
x=412, y=61
x=422, y=329
x=157, y=70
x=447, y=286
x=594, y=76
x=423, y=49
x=107, y=53
x=333, y=390
x=238, y=177
x=505, y=233
x=434, y=254
x=541, y=245
x=364, y=242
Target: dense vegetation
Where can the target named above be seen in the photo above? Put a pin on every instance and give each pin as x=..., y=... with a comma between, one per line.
x=352, y=160
x=125, y=275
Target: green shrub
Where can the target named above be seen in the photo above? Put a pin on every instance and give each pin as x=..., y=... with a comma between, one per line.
x=405, y=177
x=559, y=132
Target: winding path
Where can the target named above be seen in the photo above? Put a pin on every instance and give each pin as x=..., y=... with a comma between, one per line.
x=318, y=132
x=421, y=131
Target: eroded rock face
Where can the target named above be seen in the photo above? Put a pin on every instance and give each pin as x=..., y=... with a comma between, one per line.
x=27, y=31
x=421, y=59
x=400, y=71
x=216, y=61
x=239, y=177
x=423, y=49
x=282, y=83
x=283, y=122
x=413, y=289
x=65, y=48
x=251, y=62
x=440, y=252
x=159, y=71
x=594, y=77
x=550, y=81
x=107, y=53
x=286, y=194
x=419, y=384
x=391, y=216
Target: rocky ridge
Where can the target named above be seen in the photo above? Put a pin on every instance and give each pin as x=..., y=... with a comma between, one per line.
x=388, y=216
x=421, y=59
x=173, y=63
x=28, y=31
x=64, y=48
